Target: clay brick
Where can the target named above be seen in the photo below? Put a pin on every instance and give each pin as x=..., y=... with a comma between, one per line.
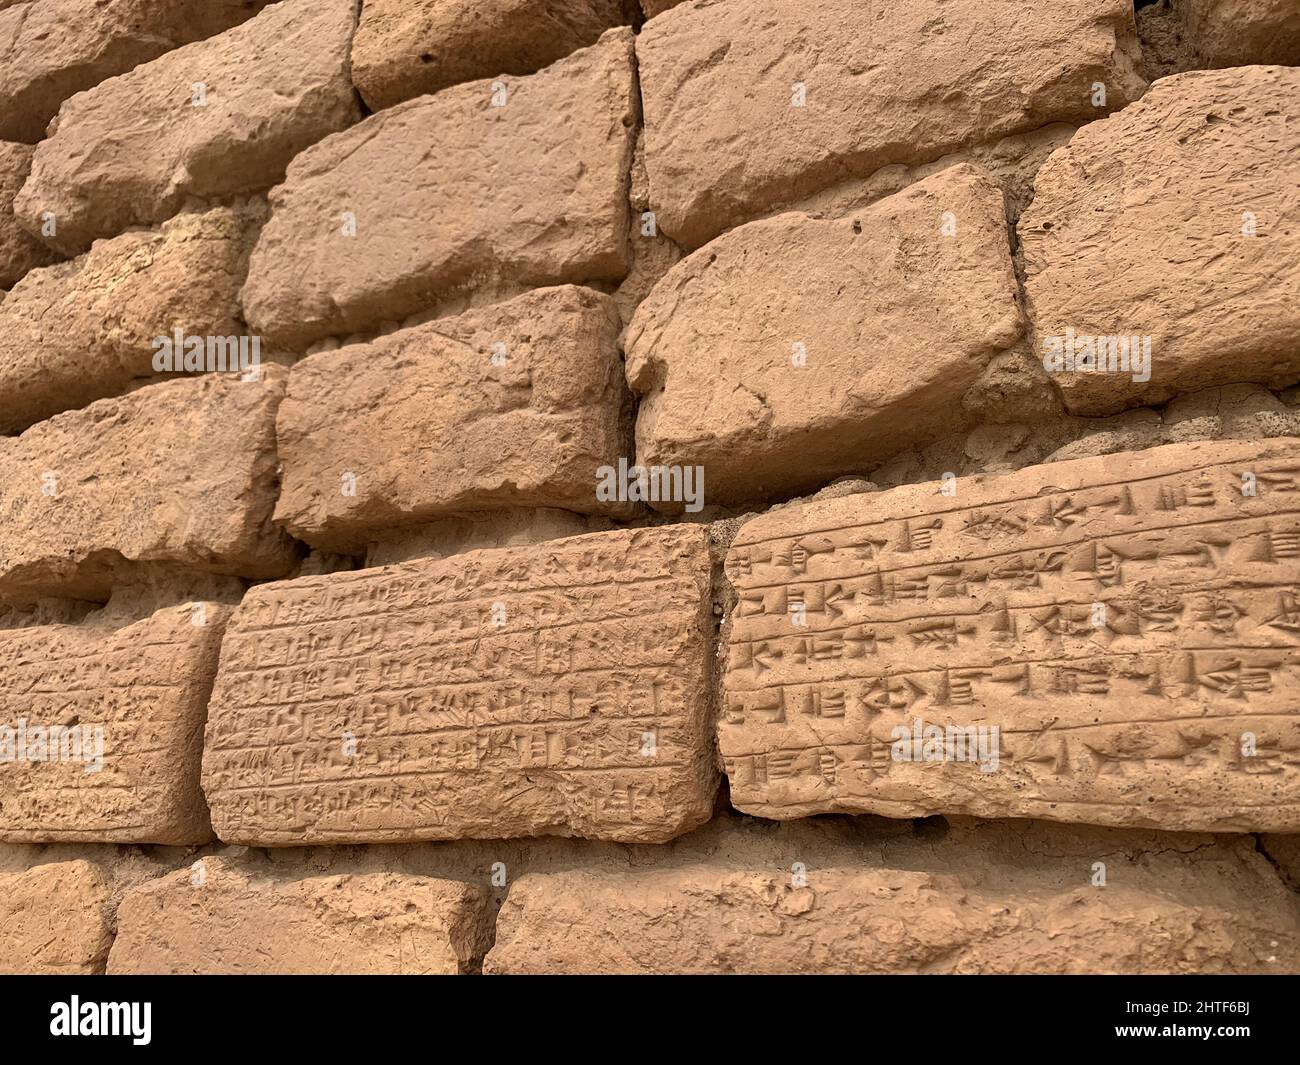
x=1140, y=228
x=180, y=472
x=216, y=918
x=1000, y=901
x=555, y=689
x=51, y=49
x=428, y=425
x=55, y=920
x=406, y=48
x=892, y=320
x=1127, y=623
x=19, y=250
x=448, y=191
x=884, y=83
x=128, y=702
x=1230, y=33
x=81, y=330
x=134, y=148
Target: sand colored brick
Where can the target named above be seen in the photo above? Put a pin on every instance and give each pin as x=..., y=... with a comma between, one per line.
x=213, y=119
x=526, y=182
x=179, y=472
x=1127, y=623
x=52, y=49
x=1173, y=221
x=999, y=898
x=77, y=331
x=513, y=405
x=1230, y=33
x=218, y=919
x=795, y=349
x=101, y=727
x=751, y=104
x=555, y=689
x=19, y=250
x=55, y=920
x=407, y=48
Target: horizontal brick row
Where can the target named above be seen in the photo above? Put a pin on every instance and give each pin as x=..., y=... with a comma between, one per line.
x=736, y=897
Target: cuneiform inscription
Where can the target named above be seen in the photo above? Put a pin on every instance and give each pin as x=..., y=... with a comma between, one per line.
x=101, y=728
x=1129, y=624
x=560, y=688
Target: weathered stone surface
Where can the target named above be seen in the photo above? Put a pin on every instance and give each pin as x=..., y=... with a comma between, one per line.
x=406, y=48
x=1140, y=227
x=101, y=728
x=179, y=472
x=54, y=921
x=515, y=404
x=557, y=689
x=19, y=250
x=51, y=49
x=657, y=7
x=448, y=191
x=134, y=148
x=795, y=349
x=218, y=919
x=990, y=898
x=1229, y=33
x=884, y=83
x=1128, y=624
x=81, y=330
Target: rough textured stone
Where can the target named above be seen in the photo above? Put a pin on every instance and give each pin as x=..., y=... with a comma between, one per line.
x=407, y=48
x=1128, y=625
x=128, y=702
x=51, y=49
x=427, y=424
x=19, y=250
x=179, y=472
x=81, y=330
x=885, y=83
x=448, y=191
x=134, y=148
x=556, y=689
x=54, y=921
x=892, y=319
x=657, y=7
x=1139, y=228
x=1230, y=33
x=217, y=919
x=478, y=530
x=990, y=898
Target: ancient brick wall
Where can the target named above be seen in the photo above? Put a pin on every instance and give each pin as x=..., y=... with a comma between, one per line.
x=715, y=486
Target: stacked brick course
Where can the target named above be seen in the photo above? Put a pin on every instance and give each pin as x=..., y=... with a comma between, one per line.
x=477, y=479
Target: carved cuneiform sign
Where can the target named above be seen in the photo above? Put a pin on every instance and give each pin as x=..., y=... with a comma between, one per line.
x=1129, y=624
x=560, y=688
x=101, y=728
